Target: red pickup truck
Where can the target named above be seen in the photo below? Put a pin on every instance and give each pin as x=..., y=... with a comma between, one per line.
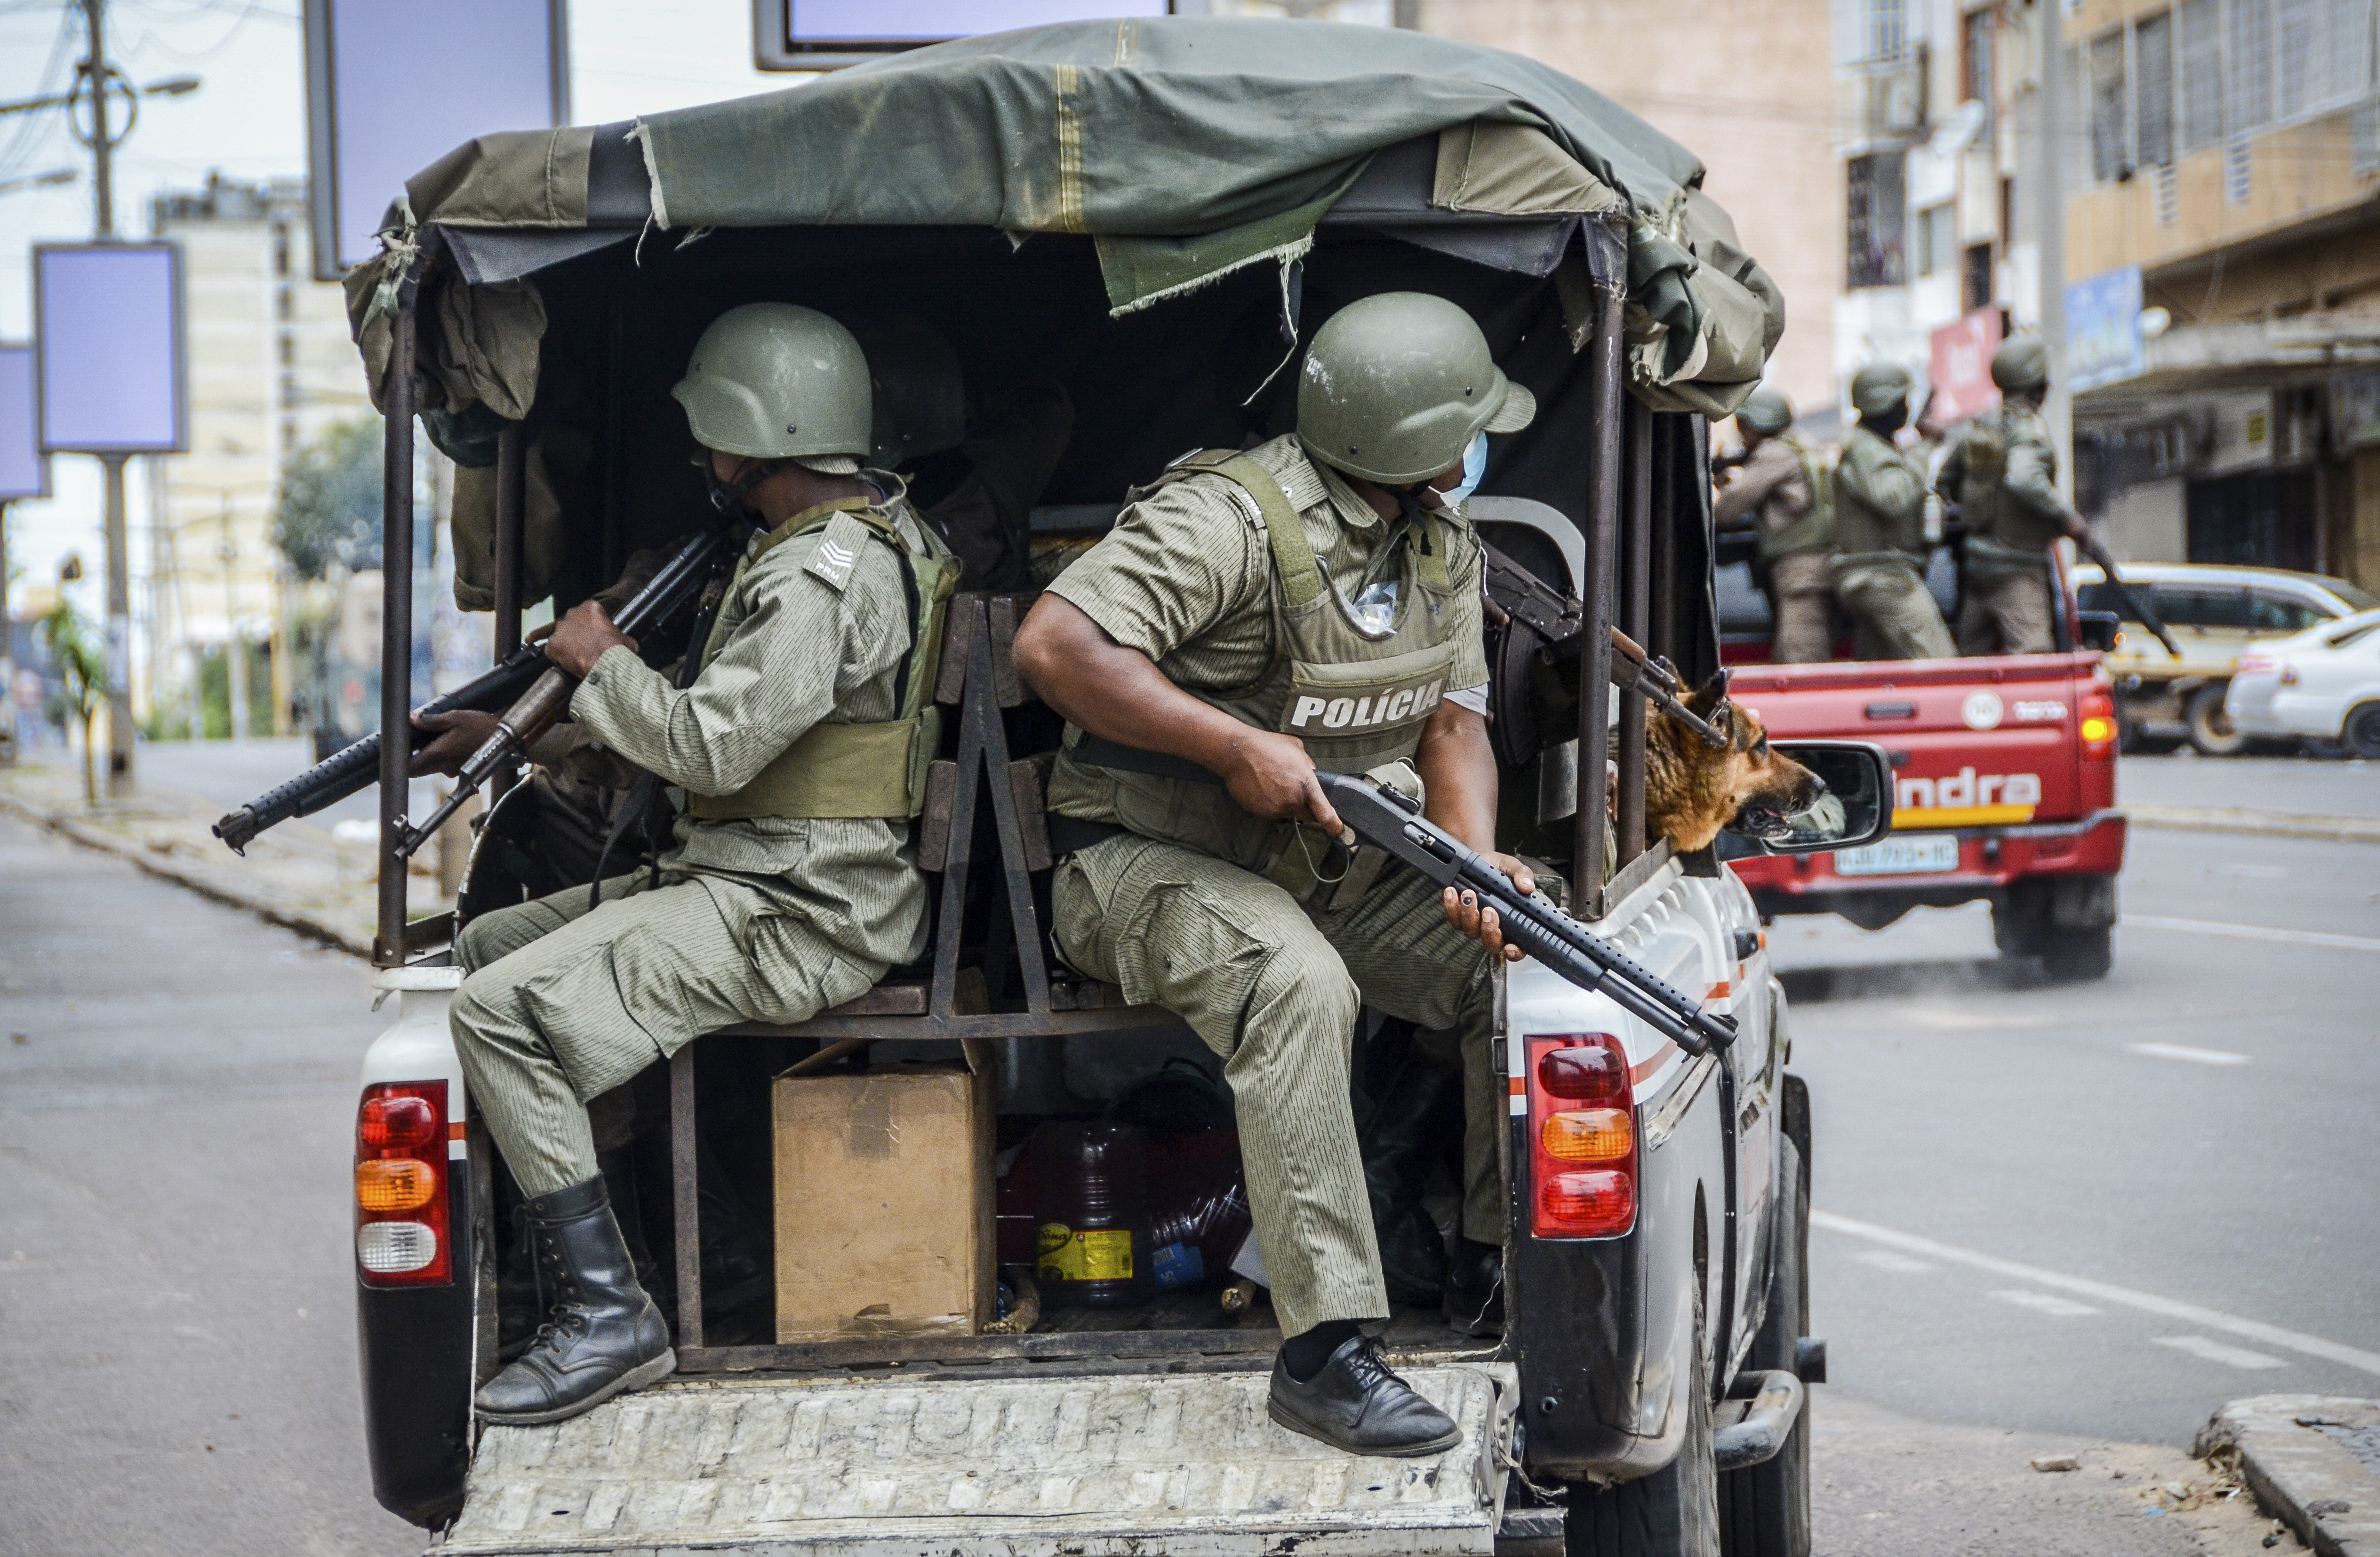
x=2005, y=786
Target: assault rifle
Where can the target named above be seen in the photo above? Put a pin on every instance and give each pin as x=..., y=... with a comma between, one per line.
x=1389, y=821
x=1560, y=621
x=672, y=591
x=2146, y=614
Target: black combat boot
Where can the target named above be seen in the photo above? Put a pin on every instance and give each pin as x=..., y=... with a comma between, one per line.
x=1408, y=1132
x=1475, y=1289
x=1355, y=1403
x=603, y=1336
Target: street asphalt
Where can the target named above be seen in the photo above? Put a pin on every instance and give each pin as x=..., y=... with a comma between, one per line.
x=2097, y=1211
x=177, y=1355
x=2035, y=1235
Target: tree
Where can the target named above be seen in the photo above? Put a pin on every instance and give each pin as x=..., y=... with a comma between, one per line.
x=329, y=512
x=82, y=666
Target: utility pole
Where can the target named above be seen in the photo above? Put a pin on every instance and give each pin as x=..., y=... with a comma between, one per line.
x=234, y=646
x=97, y=74
x=2058, y=407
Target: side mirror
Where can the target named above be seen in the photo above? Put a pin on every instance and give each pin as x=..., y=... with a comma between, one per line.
x=1857, y=806
x=2101, y=629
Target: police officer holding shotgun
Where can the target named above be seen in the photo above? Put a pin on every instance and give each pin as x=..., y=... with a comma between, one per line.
x=1312, y=602
x=801, y=747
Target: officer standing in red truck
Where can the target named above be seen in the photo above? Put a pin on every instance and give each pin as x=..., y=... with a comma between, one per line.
x=2001, y=473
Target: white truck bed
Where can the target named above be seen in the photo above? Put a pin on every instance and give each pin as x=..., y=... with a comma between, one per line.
x=1116, y=1466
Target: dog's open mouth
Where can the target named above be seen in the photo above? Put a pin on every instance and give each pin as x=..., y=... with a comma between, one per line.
x=1762, y=819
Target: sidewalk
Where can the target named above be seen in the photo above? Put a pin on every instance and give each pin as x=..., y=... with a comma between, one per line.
x=2276, y=796
x=2312, y=1461
x=297, y=875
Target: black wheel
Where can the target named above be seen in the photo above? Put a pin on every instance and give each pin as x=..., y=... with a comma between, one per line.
x=2210, y=728
x=2075, y=955
x=2021, y=926
x=1674, y=1512
x=1764, y=1511
x=2361, y=733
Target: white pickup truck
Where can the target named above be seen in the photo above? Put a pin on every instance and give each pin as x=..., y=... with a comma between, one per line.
x=1647, y=1395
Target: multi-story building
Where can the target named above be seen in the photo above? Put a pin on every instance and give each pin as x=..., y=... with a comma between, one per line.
x=1937, y=117
x=269, y=365
x=2219, y=268
x=2228, y=157
x=1745, y=84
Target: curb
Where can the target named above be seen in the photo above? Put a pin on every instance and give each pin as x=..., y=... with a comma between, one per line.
x=2239, y=819
x=2312, y=1461
x=208, y=883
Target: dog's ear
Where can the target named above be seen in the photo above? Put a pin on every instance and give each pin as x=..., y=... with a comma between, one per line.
x=1711, y=695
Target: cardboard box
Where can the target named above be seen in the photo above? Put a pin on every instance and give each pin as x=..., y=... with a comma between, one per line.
x=884, y=1202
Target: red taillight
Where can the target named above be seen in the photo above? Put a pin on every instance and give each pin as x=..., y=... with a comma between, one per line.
x=1582, y=1124
x=2097, y=725
x=402, y=1228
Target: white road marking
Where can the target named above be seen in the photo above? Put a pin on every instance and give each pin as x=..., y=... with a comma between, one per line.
x=2123, y=1296
x=2216, y=1351
x=2184, y=1052
x=2064, y=1308
x=1899, y=1263
x=2254, y=932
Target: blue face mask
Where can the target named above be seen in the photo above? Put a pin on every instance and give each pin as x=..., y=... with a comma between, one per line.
x=1474, y=466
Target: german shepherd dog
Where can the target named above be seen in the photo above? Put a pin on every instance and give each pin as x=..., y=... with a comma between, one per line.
x=1693, y=790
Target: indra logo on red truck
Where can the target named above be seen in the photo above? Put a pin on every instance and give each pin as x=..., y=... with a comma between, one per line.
x=1965, y=798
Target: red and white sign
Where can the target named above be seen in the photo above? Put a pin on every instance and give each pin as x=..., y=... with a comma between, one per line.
x=1962, y=367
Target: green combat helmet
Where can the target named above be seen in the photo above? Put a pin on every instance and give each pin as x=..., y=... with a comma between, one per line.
x=1766, y=413
x=920, y=394
x=776, y=380
x=1878, y=387
x=2021, y=365
x=1396, y=386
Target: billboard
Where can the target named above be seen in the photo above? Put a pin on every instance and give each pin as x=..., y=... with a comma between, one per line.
x=24, y=470
x=107, y=349
x=827, y=34
x=1960, y=367
x=2102, y=329
x=391, y=89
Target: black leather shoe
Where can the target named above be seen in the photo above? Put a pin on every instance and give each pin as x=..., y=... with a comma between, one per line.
x=1475, y=1289
x=603, y=1336
x=1357, y=1405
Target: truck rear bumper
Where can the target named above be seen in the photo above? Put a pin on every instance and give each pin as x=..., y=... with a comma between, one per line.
x=1990, y=858
x=1091, y=1467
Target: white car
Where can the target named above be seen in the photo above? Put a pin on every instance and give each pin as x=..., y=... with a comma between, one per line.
x=2323, y=684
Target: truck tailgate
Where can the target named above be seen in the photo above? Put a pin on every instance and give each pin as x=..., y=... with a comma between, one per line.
x=1975, y=742
x=1082, y=1467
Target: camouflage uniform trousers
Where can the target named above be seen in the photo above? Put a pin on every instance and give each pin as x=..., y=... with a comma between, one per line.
x=1276, y=991
x=560, y=1006
x=2006, y=612
x=1893, y=617
x=1801, y=596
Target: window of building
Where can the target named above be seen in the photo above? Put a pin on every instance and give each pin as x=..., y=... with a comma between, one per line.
x=2201, y=74
x=1932, y=245
x=1877, y=215
x=2111, y=154
x=1975, y=279
x=1977, y=36
x=2152, y=90
x=2297, y=45
x=2247, y=66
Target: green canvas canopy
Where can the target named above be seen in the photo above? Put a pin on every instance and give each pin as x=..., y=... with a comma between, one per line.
x=1184, y=148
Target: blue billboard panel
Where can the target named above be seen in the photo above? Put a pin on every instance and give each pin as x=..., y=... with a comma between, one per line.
x=2102, y=329
x=23, y=470
x=108, y=347
x=925, y=21
x=391, y=89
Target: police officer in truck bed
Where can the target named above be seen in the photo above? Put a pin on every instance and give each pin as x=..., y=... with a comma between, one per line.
x=1313, y=602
